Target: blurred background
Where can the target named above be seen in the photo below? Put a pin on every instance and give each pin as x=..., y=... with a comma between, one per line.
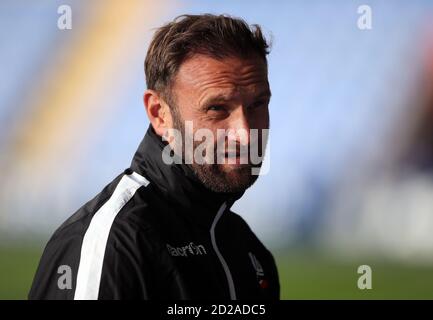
x=351, y=149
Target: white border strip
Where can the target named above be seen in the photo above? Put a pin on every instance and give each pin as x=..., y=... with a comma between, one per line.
x=95, y=239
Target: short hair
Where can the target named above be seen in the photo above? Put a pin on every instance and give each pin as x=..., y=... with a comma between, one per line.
x=217, y=36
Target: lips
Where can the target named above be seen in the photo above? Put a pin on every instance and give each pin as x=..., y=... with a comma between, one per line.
x=236, y=157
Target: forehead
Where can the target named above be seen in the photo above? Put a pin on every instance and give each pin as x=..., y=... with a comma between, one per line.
x=201, y=76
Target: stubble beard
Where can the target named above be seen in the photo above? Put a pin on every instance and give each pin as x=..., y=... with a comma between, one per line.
x=218, y=177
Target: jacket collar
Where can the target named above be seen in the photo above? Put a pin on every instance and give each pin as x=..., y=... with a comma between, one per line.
x=177, y=182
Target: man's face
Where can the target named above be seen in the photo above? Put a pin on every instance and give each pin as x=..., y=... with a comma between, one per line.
x=230, y=94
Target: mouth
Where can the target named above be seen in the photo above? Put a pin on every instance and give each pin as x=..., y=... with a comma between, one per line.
x=236, y=158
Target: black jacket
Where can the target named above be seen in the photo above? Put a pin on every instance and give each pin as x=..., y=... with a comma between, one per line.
x=155, y=232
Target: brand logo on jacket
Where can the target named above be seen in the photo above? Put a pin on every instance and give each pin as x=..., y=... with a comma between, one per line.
x=189, y=250
x=260, y=273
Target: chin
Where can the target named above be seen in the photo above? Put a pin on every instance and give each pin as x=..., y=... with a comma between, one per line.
x=226, y=178
x=235, y=167
x=239, y=174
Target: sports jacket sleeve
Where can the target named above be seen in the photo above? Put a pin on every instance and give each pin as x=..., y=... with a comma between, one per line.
x=67, y=272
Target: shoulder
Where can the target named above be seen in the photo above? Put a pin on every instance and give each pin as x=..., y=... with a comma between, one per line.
x=243, y=225
x=112, y=221
x=253, y=239
x=119, y=213
x=121, y=197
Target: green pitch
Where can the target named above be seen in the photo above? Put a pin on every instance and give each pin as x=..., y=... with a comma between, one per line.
x=303, y=275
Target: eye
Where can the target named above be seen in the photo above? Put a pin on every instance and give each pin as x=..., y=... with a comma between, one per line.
x=215, y=107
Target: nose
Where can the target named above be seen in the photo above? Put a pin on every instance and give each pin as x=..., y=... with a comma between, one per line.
x=239, y=126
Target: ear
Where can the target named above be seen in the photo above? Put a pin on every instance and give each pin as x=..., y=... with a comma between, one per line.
x=158, y=112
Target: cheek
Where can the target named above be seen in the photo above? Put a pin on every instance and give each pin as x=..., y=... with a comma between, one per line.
x=203, y=121
x=190, y=113
x=187, y=108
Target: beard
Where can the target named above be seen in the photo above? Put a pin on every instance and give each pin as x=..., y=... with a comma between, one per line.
x=218, y=177
x=215, y=178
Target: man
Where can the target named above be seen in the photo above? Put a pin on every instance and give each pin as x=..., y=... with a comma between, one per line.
x=163, y=229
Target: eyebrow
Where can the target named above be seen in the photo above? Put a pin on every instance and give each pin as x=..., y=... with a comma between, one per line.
x=221, y=98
